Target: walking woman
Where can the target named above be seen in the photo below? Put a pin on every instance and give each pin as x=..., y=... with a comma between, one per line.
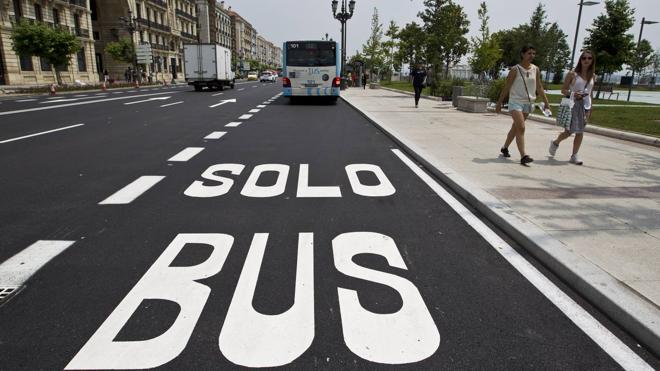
x=522, y=86
x=418, y=79
x=578, y=85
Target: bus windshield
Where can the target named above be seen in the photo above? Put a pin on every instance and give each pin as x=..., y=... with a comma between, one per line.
x=311, y=54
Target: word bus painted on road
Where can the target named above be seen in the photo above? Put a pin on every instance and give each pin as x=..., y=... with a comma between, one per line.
x=251, y=339
x=311, y=68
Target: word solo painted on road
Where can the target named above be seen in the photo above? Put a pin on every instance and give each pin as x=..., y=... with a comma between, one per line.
x=247, y=337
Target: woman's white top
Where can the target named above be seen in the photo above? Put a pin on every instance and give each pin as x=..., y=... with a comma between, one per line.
x=580, y=85
x=518, y=92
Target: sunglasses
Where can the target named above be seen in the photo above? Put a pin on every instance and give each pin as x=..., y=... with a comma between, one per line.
x=586, y=58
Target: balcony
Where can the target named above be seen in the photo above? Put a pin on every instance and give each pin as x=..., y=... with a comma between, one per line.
x=183, y=14
x=159, y=47
x=161, y=3
x=188, y=35
x=154, y=25
x=80, y=3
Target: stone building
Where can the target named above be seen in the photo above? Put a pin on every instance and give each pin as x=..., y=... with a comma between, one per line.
x=71, y=15
x=244, y=40
x=165, y=25
x=223, y=29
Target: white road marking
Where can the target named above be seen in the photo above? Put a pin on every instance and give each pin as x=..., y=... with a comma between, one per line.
x=245, y=117
x=186, y=154
x=223, y=102
x=216, y=135
x=241, y=89
x=215, y=95
x=42, y=133
x=81, y=103
x=81, y=95
x=99, y=94
x=255, y=86
x=171, y=104
x=61, y=99
x=588, y=324
x=26, y=100
x=147, y=100
x=254, y=110
x=117, y=92
x=16, y=270
x=132, y=191
x=261, y=106
x=233, y=124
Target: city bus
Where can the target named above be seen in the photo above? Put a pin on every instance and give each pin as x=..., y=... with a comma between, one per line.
x=311, y=69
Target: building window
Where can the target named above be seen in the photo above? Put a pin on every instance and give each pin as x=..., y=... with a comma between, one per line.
x=82, y=63
x=45, y=66
x=76, y=23
x=138, y=6
x=26, y=63
x=94, y=9
x=56, y=16
x=17, y=10
x=37, y=13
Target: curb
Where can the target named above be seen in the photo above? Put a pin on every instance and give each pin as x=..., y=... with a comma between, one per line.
x=630, y=311
x=612, y=133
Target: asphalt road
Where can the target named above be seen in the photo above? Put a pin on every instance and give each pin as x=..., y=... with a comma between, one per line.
x=139, y=232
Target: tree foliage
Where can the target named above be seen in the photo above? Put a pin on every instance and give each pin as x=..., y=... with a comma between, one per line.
x=412, y=45
x=642, y=56
x=608, y=37
x=122, y=50
x=53, y=44
x=446, y=25
x=390, y=47
x=485, y=49
x=373, y=50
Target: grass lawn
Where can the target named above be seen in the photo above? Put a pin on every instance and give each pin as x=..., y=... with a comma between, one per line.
x=556, y=98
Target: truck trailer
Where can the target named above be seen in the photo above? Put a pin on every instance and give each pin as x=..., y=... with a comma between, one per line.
x=208, y=65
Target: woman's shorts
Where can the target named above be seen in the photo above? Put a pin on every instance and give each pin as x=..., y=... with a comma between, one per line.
x=522, y=107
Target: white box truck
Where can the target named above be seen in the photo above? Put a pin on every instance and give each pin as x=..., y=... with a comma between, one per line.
x=208, y=65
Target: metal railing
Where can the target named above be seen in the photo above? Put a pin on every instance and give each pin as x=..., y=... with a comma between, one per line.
x=188, y=35
x=154, y=25
x=158, y=2
x=183, y=14
x=80, y=3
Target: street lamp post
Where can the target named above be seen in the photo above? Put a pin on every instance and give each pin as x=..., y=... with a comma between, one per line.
x=577, y=28
x=343, y=16
x=130, y=23
x=639, y=40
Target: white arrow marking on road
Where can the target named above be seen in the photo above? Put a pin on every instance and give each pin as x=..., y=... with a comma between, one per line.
x=223, y=102
x=215, y=95
x=147, y=100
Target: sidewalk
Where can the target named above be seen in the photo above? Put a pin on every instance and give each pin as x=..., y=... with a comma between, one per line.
x=597, y=226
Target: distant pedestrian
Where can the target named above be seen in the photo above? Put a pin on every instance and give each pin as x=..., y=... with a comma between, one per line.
x=365, y=77
x=418, y=81
x=578, y=86
x=127, y=75
x=522, y=85
x=106, y=77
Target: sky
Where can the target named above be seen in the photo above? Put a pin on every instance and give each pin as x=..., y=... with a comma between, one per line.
x=283, y=20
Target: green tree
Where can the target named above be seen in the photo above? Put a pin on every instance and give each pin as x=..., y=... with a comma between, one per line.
x=389, y=49
x=122, y=50
x=373, y=49
x=55, y=45
x=558, y=52
x=485, y=49
x=446, y=25
x=412, y=44
x=608, y=38
x=642, y=56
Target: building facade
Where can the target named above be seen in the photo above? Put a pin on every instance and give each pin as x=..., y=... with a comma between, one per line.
x=245, y=40
x=71, y=15
x=223, y=29
x=165, y=25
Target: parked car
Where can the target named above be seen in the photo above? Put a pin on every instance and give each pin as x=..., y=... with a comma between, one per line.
x=268, y=76
x=252, y=76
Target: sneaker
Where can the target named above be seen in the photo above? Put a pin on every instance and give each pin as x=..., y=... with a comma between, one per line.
x=505, y=152
x=415, y=106
x=553, y=148
x=526, y=160
x=575, y=160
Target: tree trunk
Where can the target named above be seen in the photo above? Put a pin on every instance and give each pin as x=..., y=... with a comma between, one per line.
x=600, y=85
x=447, y=68
x=58, y=76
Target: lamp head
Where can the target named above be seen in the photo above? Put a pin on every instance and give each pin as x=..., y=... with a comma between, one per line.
x=588, y=3
x=335, y=3
x=650, y=22
x=351, y=6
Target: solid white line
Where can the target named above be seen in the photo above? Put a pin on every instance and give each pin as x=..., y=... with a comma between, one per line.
x=216, y=135
x=99, y=94
x=132, y=191
x=588, y=324
x=261, y=106
x=117, y=92
x=26, y=100
x=81, y=103
x=245, y=117
x=42, y=133
x=186, y=154
x=215, y=95
x=81, y=95
x=171, y=104
x=233, y=124
x=16, y=270
x=241, y=89
x=254, y=110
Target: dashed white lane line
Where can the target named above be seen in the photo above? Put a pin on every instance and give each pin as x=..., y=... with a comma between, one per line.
x=241, y=89
x=267, y=102
x=215, y=95
x=118, y=92
x=233, y=124
x=255, y=110
x=216, y=135
x=245, y=117
x=100, y=94
x=26, y=100
x=16, y=270
x=82, y=95
x=42, y=133
x=186, y=154
x=255, y=86
x=132, y=191
x=261, y=106
x=171, y=104
x=573, y=311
